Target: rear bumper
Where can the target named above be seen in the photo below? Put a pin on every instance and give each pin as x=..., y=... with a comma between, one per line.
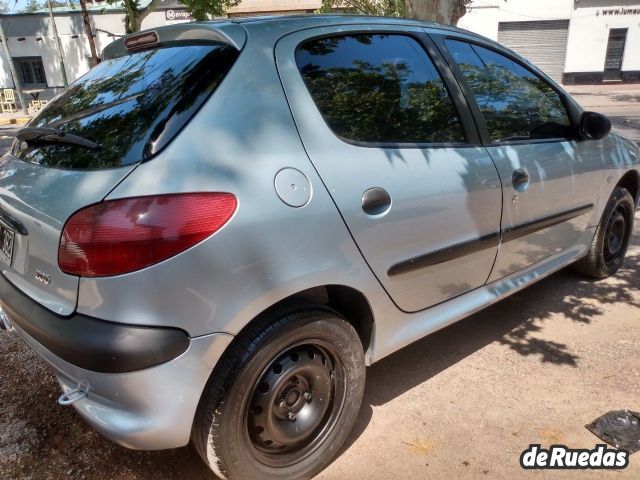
x=151, y=409
x=148, y=408
x=91, y=343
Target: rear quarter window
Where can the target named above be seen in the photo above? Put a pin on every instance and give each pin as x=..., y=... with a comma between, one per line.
x=132, y=106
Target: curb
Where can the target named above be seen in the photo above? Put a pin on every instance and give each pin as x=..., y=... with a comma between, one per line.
x=14, y=121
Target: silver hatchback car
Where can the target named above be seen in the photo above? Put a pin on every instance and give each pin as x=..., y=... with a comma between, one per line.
x=213, y=232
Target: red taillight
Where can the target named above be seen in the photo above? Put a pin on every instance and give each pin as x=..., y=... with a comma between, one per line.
x=121, y=236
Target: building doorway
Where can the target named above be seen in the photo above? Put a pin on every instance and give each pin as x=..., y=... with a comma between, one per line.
x=615, y=54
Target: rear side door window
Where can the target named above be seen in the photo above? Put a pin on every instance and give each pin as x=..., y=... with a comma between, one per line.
x=379, y=89
x=516, y=103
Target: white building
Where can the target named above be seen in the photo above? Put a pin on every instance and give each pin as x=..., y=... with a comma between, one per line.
x=573, y=41
x=33, y=46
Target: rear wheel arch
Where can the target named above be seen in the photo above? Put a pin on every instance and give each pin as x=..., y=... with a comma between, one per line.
x=348, y=302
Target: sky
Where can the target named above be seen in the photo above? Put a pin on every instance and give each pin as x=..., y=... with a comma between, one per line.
x=17, y=5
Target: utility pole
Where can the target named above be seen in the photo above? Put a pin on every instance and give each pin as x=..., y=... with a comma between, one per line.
x=58, y=45
x=87, y=29
x=14, y=74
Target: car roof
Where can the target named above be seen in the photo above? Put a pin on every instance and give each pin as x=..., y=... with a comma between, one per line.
x=287, y=24
x=313, y=19
x=300, y=22
x=232, y=30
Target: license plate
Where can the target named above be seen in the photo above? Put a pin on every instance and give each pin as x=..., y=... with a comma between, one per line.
x=6, y=244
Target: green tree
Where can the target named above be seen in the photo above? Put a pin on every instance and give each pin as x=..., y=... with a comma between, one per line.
x=134, y=13
x=386, y=8
x=516, y=104
x=203, y=9
x=34, y=5
x=442, y=11
x=199, y=9
x=130, y=112
x=89, y=32
x=379, y=102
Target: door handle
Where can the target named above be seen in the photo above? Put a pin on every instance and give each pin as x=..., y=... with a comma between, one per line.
x=520, y=179
x=376, y=201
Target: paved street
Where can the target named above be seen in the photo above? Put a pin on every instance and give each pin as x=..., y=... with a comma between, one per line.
x=460, y=404
x=6, y=136
x=620, y=102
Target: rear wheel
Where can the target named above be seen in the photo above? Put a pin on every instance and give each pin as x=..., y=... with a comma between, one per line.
x=283, y=399
x=611, y=240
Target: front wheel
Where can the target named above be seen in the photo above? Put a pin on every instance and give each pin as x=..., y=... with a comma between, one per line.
x=283, y=399
x=611, y=240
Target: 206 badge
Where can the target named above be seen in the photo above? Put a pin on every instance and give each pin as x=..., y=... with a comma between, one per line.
x=43, y=277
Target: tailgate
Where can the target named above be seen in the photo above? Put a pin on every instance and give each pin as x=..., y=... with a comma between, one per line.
x=88, y=138
x=35, y=202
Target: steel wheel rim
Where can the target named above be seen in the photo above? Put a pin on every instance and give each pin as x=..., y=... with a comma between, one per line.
x=616, y=235
x=294, y=403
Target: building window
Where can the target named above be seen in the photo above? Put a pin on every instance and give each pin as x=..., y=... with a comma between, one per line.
x=31, y=71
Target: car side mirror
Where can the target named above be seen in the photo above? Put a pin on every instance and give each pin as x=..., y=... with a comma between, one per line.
x=594, y=126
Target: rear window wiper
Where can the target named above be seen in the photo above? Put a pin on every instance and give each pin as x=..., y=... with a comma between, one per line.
x=53, y=135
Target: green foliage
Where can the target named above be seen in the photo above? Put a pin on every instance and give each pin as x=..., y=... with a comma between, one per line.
x=203, y=9
x=133, y=14
x=380, y=103
x=199, y=9
x=34, y=5
x=443, y=11
x=128, y=112
x=516, y=105
x=386, y=8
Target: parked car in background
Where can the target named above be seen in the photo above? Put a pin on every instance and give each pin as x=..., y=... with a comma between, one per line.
x=213, y=232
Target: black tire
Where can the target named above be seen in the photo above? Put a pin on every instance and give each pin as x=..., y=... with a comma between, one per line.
x=611, y=240
x=308, y=362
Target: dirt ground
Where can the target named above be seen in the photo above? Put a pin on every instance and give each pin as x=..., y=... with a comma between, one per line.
x=462, y=403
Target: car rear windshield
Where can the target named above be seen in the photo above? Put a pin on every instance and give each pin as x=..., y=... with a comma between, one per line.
x=132, y=106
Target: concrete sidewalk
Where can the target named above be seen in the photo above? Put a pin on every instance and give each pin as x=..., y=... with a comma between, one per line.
x=15, y=118
x=608, y=95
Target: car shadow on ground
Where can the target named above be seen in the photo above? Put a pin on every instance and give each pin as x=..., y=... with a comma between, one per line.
x=63, y=442
x=513, y=322
x=625, y=97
